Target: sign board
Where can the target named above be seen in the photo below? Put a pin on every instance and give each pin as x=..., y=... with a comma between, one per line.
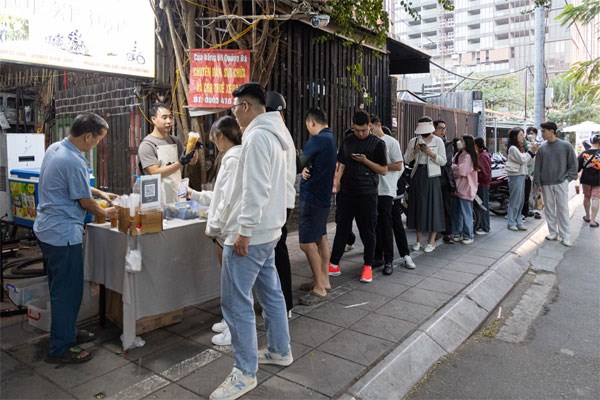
x=214, y=74
x=150, y=191
x=111, y=36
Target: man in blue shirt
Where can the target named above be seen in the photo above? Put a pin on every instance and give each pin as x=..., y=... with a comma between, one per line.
x=64, y=197
x=315, y=200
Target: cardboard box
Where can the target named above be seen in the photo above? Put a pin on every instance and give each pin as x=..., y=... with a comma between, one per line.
x=150, y=222
x=114, y=313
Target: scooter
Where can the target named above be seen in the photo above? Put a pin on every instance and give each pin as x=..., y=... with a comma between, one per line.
x=499, y=185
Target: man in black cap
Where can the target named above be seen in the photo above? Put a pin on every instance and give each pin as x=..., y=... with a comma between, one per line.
x=276, y=102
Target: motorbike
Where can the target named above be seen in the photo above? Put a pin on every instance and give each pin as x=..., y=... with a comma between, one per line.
x=499, y=185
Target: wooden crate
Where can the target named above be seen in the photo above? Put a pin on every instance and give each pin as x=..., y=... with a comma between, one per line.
x=114, y=313
x=149, y=222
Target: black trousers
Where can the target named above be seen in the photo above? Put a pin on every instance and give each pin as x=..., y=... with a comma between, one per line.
x=384, y=245
x=284, y=269
x=398, y=227
x=351, y=236
x=525, y=210
x=363, y=208
x=447, y=199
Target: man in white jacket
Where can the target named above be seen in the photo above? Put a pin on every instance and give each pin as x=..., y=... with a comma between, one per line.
x=252, y=229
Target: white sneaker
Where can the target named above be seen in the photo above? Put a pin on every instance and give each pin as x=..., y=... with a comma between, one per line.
x=268, y=357
x=220, y=327
x=416, y=246
x=349, y=247
x=481, y=232
x=457, y=238
x=429, y=248
x=409, y=263
x=566, y=242
x=467, y=241
x=551, y=237
x=234, y=386
x=222, y=339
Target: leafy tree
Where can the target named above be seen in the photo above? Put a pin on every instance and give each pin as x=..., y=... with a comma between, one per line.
x=500, y=93
x=569, y=105
x=585, y=73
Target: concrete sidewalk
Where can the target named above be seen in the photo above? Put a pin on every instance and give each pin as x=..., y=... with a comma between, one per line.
x=367, y=341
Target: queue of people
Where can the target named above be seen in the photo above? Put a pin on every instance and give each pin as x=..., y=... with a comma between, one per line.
x=254, y=193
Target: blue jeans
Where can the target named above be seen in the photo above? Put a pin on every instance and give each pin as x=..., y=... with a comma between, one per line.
x=238, y=276
x=64, y=265
x=516, y=195
x=484, y=215
x=462, y=217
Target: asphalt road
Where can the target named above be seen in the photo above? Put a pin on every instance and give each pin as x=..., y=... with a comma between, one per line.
x=559, y=357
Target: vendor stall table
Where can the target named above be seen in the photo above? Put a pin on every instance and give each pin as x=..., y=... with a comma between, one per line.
x=179, y=269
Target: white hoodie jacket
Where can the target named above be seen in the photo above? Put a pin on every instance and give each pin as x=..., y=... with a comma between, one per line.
x=218, y=200
x=262, y=181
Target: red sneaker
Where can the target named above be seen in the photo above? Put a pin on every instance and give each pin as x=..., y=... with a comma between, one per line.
x=334, y=270
x=367, y=274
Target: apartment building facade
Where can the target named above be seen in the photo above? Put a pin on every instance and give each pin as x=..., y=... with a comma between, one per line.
x=488, y=37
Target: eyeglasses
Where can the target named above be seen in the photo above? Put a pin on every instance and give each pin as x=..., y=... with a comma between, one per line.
x=237, y=105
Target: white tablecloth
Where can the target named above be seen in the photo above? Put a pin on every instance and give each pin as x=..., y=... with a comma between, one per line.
x=179, y=269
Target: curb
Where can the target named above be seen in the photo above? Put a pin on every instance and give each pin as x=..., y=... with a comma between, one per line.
x=449, y=327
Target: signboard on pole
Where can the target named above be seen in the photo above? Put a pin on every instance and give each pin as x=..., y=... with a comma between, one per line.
x=214, y=74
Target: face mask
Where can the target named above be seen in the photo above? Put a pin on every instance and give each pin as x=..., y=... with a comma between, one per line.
x=459, y=145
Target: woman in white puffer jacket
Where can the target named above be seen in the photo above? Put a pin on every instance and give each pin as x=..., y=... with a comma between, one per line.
x=226, y=134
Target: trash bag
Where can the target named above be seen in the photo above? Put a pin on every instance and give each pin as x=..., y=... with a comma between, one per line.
x=133, y=257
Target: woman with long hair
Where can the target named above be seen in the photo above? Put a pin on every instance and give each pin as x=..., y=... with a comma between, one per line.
x=226, y=134
x=484, y=177
x=464, y=168
x=426, y=205
x=516, y=168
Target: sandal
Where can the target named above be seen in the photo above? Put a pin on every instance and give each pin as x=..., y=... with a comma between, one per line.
x=312, y=298
x=307, y=287
x=586, y=219
x=594, y=225
x=84, y=336
x=74, y=355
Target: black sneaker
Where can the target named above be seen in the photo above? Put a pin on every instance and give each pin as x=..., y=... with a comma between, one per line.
x=388, y=269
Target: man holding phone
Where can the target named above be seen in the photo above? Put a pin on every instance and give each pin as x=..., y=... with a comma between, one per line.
x=362, y=158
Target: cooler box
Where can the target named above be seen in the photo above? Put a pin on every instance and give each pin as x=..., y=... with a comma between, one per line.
x=24, y=195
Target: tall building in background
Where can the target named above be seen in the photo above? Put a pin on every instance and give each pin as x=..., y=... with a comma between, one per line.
x=489, y=37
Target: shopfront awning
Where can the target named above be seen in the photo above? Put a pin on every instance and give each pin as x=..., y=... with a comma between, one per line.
x=405, y=59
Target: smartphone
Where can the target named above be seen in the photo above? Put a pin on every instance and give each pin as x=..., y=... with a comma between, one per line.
x=356, y=154
x=422, y=145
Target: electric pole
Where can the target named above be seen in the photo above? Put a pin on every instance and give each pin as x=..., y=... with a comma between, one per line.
x=539, y=86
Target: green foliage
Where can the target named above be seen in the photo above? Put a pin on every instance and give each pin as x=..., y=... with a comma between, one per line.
x=586, y=73
x=569, y=105
x=500, y=93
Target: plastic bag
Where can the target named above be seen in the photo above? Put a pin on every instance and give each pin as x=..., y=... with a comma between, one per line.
x=133, y=257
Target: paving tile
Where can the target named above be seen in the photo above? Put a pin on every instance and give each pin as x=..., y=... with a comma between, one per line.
x=384, y=327
x=430, y=261
x=353, y=297
x=406, y=311
x=336, y=314
x=210, y=376
x=26, y=384
x=454, y=276
x=173, y=391
x=439, y=285
x=358, y=347
x=476, y=259
x=114, y=382
x=404, y=277
x=194, y=320
x=16, y=335
x=277, y=388
x=487, y=253
x=425, y=297
x=467, y=267
x=172, y=355
x=69, y=376
x=155, y=341
x=9, y=364
x=311, y=332
x=383, y=287
x=322, y=372
x=212, y=306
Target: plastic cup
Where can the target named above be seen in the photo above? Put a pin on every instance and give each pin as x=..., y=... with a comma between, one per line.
x=114, y=222
x=100, y=219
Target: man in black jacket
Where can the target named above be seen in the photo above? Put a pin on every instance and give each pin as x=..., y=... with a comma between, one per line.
x=447, y=179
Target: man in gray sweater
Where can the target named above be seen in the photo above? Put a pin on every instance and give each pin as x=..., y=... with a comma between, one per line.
x=555, y=167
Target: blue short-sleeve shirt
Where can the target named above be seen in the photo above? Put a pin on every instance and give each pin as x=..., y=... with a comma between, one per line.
x=320, y=150
x=64, y=179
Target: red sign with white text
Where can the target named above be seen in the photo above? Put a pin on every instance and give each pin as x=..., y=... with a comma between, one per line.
x=214, y=74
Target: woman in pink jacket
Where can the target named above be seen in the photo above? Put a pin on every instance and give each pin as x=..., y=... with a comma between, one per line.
x=464, y=168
